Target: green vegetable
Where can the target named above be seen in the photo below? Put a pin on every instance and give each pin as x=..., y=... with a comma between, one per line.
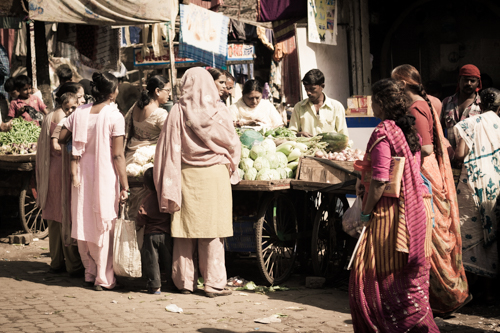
x=269, y=146
x=289, y=172
x=282, y=173
x=250, y=174
x=285, y=148
x=245, y=152
x=249, y=137
x=257, y=151
x=280, y=132
x=22, y=131
x=295, y=154
x=293, y=165
x=275, y=175
x=274, y=161
x=261, y=163
x=283, y=160
x=246, y=163
x=241, y=173
x=265, y=174
x=336, y=141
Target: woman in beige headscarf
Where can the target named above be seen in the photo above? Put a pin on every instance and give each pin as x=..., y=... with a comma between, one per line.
x=197, y=147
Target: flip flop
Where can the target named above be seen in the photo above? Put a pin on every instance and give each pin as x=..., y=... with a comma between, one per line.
x=224, y=292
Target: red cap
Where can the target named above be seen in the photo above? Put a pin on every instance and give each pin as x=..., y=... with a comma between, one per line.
x=471, y=70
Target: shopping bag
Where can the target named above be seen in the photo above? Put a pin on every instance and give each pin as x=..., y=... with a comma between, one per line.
x=351, y=221
x=126, y=253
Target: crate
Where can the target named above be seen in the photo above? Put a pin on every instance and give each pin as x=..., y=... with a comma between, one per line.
x=315, y=171
x=243, y=239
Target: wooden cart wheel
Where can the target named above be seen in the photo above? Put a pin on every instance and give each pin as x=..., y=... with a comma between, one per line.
x=330, y=245
x=30, y=213
x=276, y=238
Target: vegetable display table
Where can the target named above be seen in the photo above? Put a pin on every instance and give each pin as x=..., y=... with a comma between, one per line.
x=17, y=178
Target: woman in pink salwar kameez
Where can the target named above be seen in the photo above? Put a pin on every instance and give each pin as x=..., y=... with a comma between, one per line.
x=98, y=130
x=196, y=161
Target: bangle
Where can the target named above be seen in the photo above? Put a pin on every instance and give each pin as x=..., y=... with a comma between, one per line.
x=365, y=217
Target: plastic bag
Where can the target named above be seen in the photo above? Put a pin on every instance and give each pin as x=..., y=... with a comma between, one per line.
x=351, y=221
x=126, y=253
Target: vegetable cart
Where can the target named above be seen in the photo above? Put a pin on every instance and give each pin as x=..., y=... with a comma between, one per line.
x=274, y=218
x=17, y=178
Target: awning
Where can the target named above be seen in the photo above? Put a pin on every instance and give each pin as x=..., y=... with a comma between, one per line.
x=104, y=12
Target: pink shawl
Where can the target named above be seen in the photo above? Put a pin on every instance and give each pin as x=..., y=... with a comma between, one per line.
x=199, y=131
x=105, y=177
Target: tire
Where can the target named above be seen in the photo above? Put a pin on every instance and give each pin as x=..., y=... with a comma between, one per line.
x=276, y=238
x=330, y=245
x=30, y=214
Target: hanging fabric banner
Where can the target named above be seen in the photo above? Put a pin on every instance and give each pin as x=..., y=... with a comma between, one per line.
x=103, y=12
x=322, y=21
x=203, y=35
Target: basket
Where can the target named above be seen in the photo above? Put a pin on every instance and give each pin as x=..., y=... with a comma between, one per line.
x=243, y=239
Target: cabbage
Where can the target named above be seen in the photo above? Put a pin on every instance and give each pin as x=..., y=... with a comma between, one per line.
x=261, y=163
x=249, y=137
x=274, y=162
x=283, y=160
x=246, y=163
x=257, y=151
x=245, y=152
x=250, y=174
x=289, y=172
x=269, y=146
x=275, y=175
x=241, y=173
x=264, y=174
x=282, y=172
x=146, y=166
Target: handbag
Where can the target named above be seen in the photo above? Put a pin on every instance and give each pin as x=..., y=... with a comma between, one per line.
x=126, y=253
x=393, y=186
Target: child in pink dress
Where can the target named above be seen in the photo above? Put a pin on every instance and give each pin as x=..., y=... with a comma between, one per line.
x=26, y=105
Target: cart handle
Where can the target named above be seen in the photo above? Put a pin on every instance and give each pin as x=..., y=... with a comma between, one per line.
x=335, y=187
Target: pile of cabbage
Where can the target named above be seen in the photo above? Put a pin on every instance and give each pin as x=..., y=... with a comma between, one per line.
x=265, y=161
x=143, y=160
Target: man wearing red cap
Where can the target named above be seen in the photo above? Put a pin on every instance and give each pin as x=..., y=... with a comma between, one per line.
x=464, y=103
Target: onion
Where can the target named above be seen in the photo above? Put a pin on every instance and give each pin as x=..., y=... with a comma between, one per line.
x=319, y=154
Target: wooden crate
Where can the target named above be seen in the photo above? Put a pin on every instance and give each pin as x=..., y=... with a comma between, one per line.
x=312, y=170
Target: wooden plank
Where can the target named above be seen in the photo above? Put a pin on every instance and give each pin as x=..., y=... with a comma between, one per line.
x=315, y=171
x=18, y=158
x=262, y=185
x=304, y=185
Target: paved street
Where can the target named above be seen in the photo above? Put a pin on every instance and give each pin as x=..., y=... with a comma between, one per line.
x=31, y=300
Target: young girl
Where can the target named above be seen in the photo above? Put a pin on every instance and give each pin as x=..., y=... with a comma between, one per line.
x=49, y=170
x=26, y=105
x=68, y=103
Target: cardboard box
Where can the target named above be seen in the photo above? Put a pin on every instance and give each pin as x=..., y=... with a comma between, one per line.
x=316, y=171
x=359, y=105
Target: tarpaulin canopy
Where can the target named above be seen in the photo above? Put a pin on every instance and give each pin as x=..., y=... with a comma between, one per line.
x=104, y=12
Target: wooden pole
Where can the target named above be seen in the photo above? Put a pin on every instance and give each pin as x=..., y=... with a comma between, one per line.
x=173, y=71
x=33, y=54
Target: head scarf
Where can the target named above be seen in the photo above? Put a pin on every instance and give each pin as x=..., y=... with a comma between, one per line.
x=471, y=70
x=199, y=131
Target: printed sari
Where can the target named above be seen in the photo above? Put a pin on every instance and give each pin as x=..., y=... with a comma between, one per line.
x=448, y=284
x=479, y=191
x=389, y=283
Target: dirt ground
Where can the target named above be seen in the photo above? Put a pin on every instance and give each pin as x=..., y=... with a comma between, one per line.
x=32, y=300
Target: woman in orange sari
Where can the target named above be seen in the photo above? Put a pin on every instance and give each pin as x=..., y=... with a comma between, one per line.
x=448, y=284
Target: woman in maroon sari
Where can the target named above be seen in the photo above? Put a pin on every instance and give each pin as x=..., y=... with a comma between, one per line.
x=389, y=284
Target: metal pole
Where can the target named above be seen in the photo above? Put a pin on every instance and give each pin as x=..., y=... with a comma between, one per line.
x=173, y=71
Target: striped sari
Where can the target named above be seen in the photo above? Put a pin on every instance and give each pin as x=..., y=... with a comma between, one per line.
x=448, y=283
x=389, y=283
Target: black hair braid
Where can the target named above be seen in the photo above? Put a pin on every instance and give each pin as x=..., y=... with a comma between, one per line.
x=144, y=99
x=435, y=136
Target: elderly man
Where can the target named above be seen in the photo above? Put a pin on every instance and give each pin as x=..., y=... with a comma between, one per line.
x=464, y=103
x=317, y=113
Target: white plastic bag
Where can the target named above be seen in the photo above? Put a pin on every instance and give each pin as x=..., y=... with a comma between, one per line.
x=126, y=254
x=351, y=220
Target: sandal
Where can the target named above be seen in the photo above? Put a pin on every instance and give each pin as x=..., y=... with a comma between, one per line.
x=154, y=291
x=224, y=292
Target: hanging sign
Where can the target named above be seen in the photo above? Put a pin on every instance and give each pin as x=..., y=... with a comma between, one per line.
x=322, y=21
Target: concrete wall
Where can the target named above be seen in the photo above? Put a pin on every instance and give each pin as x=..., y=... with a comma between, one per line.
x=332, y=60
